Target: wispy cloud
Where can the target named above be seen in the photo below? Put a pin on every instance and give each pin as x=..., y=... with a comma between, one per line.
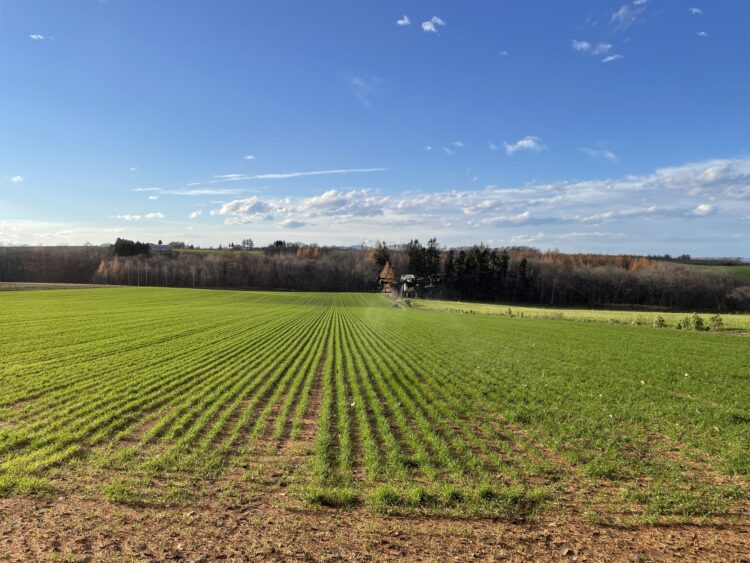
x=341, y=171
x=37, y=37
x=249, y=157
x=365, y=88
x=195, y=214
x=696, y=11
x=403, y=21
x=627, y=15
x=493, y=146
x=528, y=143
x=17, y=179
x=431, y=25
x=612, y=58
x=599, y=153
x=702, y=34
x=291, y=224
x=147, y=217
x=195, y=192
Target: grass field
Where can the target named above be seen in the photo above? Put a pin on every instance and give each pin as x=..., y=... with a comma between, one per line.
x=731, y=322
x=741, y=270
x=161, y=397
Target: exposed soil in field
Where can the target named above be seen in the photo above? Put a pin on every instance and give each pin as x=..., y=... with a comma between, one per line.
x=272, y=527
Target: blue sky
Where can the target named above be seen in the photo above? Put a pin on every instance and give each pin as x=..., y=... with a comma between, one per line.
x=587, y=125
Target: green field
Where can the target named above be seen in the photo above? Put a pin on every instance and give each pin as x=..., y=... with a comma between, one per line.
x=149, y=396
x=731, y=322
x=741, y=270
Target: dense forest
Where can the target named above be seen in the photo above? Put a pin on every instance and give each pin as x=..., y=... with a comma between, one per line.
x=480, y=273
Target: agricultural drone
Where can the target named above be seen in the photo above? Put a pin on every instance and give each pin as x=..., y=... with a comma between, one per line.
x=408, y=284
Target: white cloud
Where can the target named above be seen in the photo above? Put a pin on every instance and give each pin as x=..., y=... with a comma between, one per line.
x=702, y=34
x=599, y=153
x=17, y=179
x=366, y=88
x=360, y=203
x=193, y=192
x=133, y=168
x=528, y=143
x=449, y=152
x=403, y=21
x=612, y=58
x=249, y=157
x=428, y=148
x=493, y=146
x=147, y=216
x=291, y=224
x=195, y=214
x=598, y=49
x=458, y=144
x=502, y=220
x=696, y=11
x=626, y=16
x=431, y=26
x=504, y=53
x=153, y=197
x=36, y=37
x=283, y=175
x=642, y=207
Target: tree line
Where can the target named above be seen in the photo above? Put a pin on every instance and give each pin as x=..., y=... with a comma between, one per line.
x=480, y=273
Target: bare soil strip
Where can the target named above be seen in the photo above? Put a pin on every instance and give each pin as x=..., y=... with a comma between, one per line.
x=83, y=529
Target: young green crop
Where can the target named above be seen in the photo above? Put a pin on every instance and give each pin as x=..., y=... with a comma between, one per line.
x=415, y=409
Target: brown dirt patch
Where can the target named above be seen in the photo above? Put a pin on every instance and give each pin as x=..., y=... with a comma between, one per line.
x=80, y=529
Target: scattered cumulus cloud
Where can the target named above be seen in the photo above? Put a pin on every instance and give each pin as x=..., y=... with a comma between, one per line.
x=635, y=208
x=403, y=21
x=37, y=37
x=528, y=143
x=17, y=179
x=195, y=214
x=589, y=48
x=432, y=25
